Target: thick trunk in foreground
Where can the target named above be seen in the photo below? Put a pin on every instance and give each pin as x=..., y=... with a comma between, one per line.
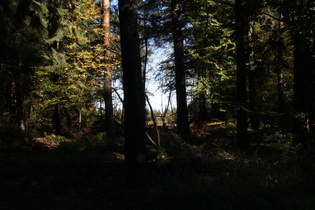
x=134, y=97
x=241, y=31
x=301, y=90
x=182, y=112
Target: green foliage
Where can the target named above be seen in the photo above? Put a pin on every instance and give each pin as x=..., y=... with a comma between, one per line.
x=278, y=138
x=71, y=78
x=97, y=139
x=22, y=49
x=282, y=143
x=211, y=58
x=56, y=138
x=71, y=147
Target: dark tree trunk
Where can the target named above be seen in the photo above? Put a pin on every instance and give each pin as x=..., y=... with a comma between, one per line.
x=180, y=83
x=56, y=124
x=281, y=100
x=241, y=33
x=108, y=98
x=109, y=111
x=254, y=116
x=134, y=97
x=301, y=91
x=203, y=112
x=19, y=107
x=310, y=63
x=279, y=67
x=311, y=121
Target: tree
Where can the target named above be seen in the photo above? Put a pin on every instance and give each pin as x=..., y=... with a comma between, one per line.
x=302, y=26
x=210, y=61
x=66, y=85
x=241, y=33
x=134, y=97
x=108, y=99
x=180, y=80
x=22, y=48
x=252, y=80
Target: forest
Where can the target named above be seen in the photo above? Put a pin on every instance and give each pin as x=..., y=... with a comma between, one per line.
x=78, y=125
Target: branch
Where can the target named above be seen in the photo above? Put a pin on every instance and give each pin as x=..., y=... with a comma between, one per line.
x=120, y=98
x=154, y=121
x=151, y=140
x=271, y=16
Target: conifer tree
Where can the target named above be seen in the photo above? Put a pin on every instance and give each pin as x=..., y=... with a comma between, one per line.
x=180, y=79
x=21, y=49
x=241, y=33
x=109, y=115
x=68, y=83
x=134, y=97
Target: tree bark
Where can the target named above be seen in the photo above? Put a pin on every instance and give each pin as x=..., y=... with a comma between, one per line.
x=279, y=68
x=134, y=97
x=108, y=98
x=301, y=93
x=281, y=98
x=19, y=106
x=56, y=122
x=254, y=117
x=180, y=83
x=241, y=33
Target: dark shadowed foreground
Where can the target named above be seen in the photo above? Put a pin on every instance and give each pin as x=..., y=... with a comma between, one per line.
x=59, y=173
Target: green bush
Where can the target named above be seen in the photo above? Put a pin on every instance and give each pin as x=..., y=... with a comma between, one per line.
x=71, y=147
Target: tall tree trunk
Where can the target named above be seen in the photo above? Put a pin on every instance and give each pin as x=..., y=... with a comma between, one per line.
x=279, y=67
x=301, y=93
x=18, y=104
x=56, y=121
x=254, y=117
x=56, y=124
x=302, y=28
x=182, y=111
x=108, y=99
x=241, y=32
x=281, y=100
x=203, y=112
x=311, y=100
x=134, y=96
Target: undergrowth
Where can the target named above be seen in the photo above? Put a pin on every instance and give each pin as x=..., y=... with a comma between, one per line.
x=88, y=173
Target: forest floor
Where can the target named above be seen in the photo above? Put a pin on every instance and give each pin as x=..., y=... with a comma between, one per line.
x=58, y=173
